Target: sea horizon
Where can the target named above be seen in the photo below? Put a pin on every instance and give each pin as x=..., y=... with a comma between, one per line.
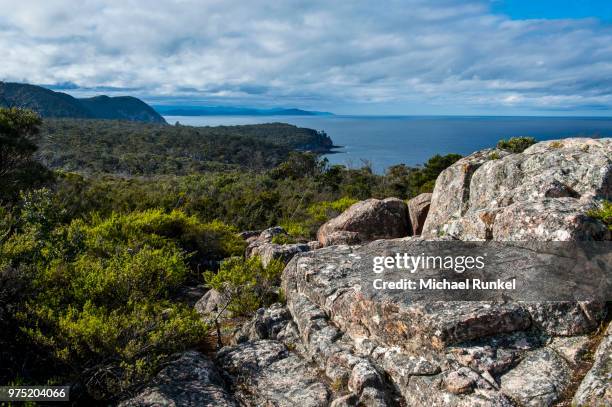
x=384, y=141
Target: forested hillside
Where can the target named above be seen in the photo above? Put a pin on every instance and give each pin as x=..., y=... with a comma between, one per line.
x=130, y=148
x=48, y=103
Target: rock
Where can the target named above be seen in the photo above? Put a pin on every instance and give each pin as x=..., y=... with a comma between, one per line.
x=539, y=379
x=266, y=324
x=431, y=352
x=461, y=381
x=191, y=379
x=540, y=194
x=314, y=245
x=452, y=191
x=596, y=387
x=566, y=318
x=364, y=375
x=365, y=221
x=284, y=253
x=265, y=373
x=348, y=400
x=264, y=237
x=418, y=207
x=250, y=235
x=573, y=348
x=210, y=303
x=331, y=278
x=371, y=397
x=262, y=246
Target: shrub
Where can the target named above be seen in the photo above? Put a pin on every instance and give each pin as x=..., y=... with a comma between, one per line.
x=283, y=239
x=100, y=292
x=325, y=210
x=295, y=229
x=516, y=144
x=246, y=285
x=604, y=214
x=19, y=129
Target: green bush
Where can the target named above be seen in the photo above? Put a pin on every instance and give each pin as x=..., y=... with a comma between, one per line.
x=19, y=130
x=100, y=306
x=516, y=144
x=295, y=230
x=246, y=285
x=603, y=214
x=283, y=239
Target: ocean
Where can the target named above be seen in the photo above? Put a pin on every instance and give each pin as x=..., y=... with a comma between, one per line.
x=383, y=141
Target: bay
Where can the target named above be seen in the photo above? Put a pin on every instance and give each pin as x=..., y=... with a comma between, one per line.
x=383, y=141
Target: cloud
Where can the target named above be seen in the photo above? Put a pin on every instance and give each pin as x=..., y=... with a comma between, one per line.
x=396, y=54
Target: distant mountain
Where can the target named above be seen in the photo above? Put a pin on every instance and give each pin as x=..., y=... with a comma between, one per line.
x=233, y=111
x=57, y=104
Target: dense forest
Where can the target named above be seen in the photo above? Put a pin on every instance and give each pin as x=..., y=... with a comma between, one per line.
x=131, y=149
x=104, y=225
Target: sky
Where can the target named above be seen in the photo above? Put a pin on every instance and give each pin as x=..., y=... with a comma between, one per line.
x=391, y=57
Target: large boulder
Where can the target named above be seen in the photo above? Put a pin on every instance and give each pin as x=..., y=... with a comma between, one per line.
x=418, y=207
x=543, y=193
x=190, y=379
x=366, y=221
x=457, y=353
x=266, y=373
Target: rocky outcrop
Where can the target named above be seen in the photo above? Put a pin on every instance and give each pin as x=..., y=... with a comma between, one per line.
x=418, y=207
x=596, y=387
x=266, y=373
x=266, y=324
x=539, y=379
x=431, y=352
x=262, y=238
x=190, y=379
x=210, y=304
x=541, y=194
x=262, y=245
x=338, y=343
x=366, y=221
x=283, y=252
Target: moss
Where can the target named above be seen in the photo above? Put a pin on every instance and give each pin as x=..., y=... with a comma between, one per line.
x=516, y=144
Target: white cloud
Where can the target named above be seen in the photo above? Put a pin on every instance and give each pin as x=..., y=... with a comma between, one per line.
x=311, y=53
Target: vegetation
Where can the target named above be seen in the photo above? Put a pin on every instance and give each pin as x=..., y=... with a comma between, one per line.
x=516, y=144
x=136, y=149
x=245, y=285
x=604, y=214
x=94, y=260
x=99, y=294
x=48, y=104
x=18, y=136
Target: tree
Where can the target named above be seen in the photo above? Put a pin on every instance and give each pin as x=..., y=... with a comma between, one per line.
x=18, y=169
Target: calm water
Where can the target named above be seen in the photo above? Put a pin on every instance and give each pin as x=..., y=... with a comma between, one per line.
x=386, y=141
